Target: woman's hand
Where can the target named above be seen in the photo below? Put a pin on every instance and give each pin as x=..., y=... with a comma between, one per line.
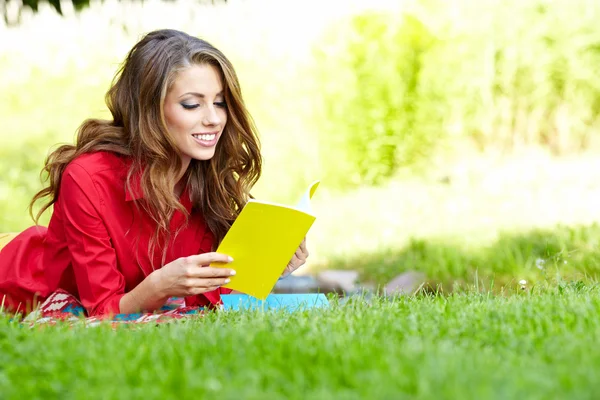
x=298, y=259
x=189, y=276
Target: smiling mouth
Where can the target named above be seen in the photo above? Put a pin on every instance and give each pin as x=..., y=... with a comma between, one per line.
x=205, y=139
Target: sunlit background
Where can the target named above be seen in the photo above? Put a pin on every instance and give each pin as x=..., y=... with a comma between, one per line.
x=458, y=138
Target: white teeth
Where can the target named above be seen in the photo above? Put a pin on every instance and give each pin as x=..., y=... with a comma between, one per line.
x=207, y=138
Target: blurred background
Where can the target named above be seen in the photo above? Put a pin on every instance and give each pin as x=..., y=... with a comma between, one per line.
x=457, y=138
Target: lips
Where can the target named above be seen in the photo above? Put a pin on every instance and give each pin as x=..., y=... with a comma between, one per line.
x=208, y=139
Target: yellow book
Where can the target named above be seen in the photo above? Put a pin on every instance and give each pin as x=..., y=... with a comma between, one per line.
x=262, y=240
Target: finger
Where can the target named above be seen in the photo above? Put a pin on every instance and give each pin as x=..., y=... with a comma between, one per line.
x=304, y=249
x=294, y=263
x=207, y=283
x=200, y=290
x=303, y=246
x=292, y=266
x=209, y=258
x=299, y=262
x=300, y=255
x=213, y=272
x=195, y=271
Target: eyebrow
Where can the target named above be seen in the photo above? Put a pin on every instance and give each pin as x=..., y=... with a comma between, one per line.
x=199, y=94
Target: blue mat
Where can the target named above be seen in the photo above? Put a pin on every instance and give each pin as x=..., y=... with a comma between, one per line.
x=289, y=302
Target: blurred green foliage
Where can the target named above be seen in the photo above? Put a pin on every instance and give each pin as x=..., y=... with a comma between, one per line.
x=376, y=97
x=504, y=74
x=38, y=115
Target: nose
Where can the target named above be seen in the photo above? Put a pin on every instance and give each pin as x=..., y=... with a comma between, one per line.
x=211, y=117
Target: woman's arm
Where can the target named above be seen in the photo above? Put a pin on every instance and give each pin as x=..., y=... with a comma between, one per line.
x=93, y=258
x=100, y=284
x=144, y=297
x=183, y=277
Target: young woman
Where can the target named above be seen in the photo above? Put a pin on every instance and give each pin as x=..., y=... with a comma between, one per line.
x=141, y=202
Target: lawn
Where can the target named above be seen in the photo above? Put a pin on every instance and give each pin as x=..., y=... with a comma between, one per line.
x=530, y=344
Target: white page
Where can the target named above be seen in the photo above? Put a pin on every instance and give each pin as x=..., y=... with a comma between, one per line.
x=304, y=204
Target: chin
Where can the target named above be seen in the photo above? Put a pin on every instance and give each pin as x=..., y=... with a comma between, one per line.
x=203, y=155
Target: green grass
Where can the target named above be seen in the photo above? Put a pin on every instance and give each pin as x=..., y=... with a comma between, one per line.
x=534, y=344
x=536, y=256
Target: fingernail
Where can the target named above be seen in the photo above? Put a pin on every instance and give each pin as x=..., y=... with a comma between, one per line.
x=232, y=272
x=227, y=280
x=230, y=259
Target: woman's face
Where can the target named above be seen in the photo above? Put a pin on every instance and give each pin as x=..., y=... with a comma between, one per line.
x=195, y=112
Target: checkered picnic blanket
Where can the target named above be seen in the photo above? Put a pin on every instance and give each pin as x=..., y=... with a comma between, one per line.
x=61, y=307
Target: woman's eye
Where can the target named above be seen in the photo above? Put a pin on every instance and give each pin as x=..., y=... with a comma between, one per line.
x=189, y=106
x=221, y=104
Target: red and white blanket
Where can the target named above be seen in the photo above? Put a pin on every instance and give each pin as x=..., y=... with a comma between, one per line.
x=63, y=307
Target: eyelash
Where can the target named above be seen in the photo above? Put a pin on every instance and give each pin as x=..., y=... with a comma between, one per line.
x=192, y=106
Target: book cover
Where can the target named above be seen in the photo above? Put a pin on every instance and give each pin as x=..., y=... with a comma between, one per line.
x=262, y=240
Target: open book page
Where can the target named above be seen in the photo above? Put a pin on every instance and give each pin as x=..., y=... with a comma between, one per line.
x=304, y=204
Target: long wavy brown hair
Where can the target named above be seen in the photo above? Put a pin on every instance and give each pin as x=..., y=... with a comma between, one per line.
x=219, y=187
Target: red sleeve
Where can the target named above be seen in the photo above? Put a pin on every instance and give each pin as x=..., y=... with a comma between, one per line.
x=99, y=282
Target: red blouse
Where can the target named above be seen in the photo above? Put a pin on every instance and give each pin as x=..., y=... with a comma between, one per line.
x=96, y=244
